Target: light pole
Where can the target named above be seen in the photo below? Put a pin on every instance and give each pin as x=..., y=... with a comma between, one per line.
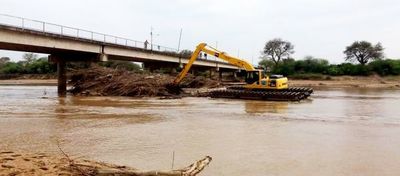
x=151, y=37
x=180, y=38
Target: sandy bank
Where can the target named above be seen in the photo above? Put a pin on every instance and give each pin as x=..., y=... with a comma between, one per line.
x=350, y=82
x=29, y=82
x=12, y=163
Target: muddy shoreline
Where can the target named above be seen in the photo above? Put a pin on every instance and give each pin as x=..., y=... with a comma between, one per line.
x=373, y=81
x=20, y=163
x=29, y=82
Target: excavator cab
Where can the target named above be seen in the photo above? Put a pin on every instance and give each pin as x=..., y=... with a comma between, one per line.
x=253, y=77
x=258, y=79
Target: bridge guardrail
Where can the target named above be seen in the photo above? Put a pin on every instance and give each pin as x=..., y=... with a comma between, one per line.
x=45, y=27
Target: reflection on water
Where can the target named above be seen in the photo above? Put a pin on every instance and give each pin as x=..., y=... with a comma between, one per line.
x=265, y=107
x=338, y=132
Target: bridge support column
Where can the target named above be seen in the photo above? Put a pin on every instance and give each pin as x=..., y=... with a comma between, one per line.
x=62, y=79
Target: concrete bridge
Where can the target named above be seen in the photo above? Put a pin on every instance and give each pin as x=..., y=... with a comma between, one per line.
x=67, y=44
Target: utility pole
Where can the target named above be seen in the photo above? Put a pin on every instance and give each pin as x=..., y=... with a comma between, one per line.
x=151, y=38
x=180, y=38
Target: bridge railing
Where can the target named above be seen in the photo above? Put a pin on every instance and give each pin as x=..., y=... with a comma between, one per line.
x=45, y=27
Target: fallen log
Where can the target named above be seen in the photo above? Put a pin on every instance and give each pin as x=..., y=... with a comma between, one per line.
x=191, y=170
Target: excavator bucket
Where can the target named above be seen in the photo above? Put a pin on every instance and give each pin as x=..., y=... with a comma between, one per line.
x=174, y=88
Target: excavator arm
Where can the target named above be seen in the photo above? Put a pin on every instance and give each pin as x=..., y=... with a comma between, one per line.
x=202, y=47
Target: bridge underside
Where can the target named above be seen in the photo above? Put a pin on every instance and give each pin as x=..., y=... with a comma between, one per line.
x=64, y=49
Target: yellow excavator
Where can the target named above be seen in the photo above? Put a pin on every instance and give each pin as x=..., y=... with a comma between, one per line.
x=258, y=84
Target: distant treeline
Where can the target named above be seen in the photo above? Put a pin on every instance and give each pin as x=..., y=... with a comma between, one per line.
x=310, y=65
x=369, y=58
x=31, y=64
x=303, y=68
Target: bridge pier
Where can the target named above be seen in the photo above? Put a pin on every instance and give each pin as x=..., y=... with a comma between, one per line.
x=62, y=79
x=61, y=74
x=62, y=58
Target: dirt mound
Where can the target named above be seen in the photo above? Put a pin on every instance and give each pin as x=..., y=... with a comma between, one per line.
x=100, y=81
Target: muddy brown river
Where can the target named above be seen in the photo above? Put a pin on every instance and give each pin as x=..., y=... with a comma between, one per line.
x=337, y=132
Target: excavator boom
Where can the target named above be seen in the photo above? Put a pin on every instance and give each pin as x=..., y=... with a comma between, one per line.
x=202, y=47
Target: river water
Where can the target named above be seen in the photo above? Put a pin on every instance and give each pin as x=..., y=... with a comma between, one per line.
x=336, y=132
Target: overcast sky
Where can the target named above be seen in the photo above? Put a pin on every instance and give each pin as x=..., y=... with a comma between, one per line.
x=321, y=28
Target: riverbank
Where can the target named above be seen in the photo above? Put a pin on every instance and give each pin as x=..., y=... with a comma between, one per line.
x=12, y=163
x=29, y=82
x=334, y=82
x=391, y=82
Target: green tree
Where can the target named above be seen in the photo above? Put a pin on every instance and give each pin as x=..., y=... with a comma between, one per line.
x=385, y=67
x=4, y=60
x=363, y=51
x=11, y=68
x=186, y=53
x=266, y=63
x=40, y=66
x=311, y=64
x=29, y=57
x=286, y=68
x=278, y=49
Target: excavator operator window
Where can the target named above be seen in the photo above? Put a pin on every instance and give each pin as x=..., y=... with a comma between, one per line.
x=252, y=77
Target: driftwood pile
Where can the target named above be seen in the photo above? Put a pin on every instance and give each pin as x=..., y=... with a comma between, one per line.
x=114, y=82
x=101, y=81
x=191, y=170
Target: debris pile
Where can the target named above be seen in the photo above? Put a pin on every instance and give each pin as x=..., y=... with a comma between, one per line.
x=101, y=81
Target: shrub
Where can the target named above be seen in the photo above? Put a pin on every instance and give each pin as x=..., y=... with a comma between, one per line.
x=40, y=66
x=11, y=68
x=309, y=76
x=385, y=67
x=353, y=70
x=311, y=65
